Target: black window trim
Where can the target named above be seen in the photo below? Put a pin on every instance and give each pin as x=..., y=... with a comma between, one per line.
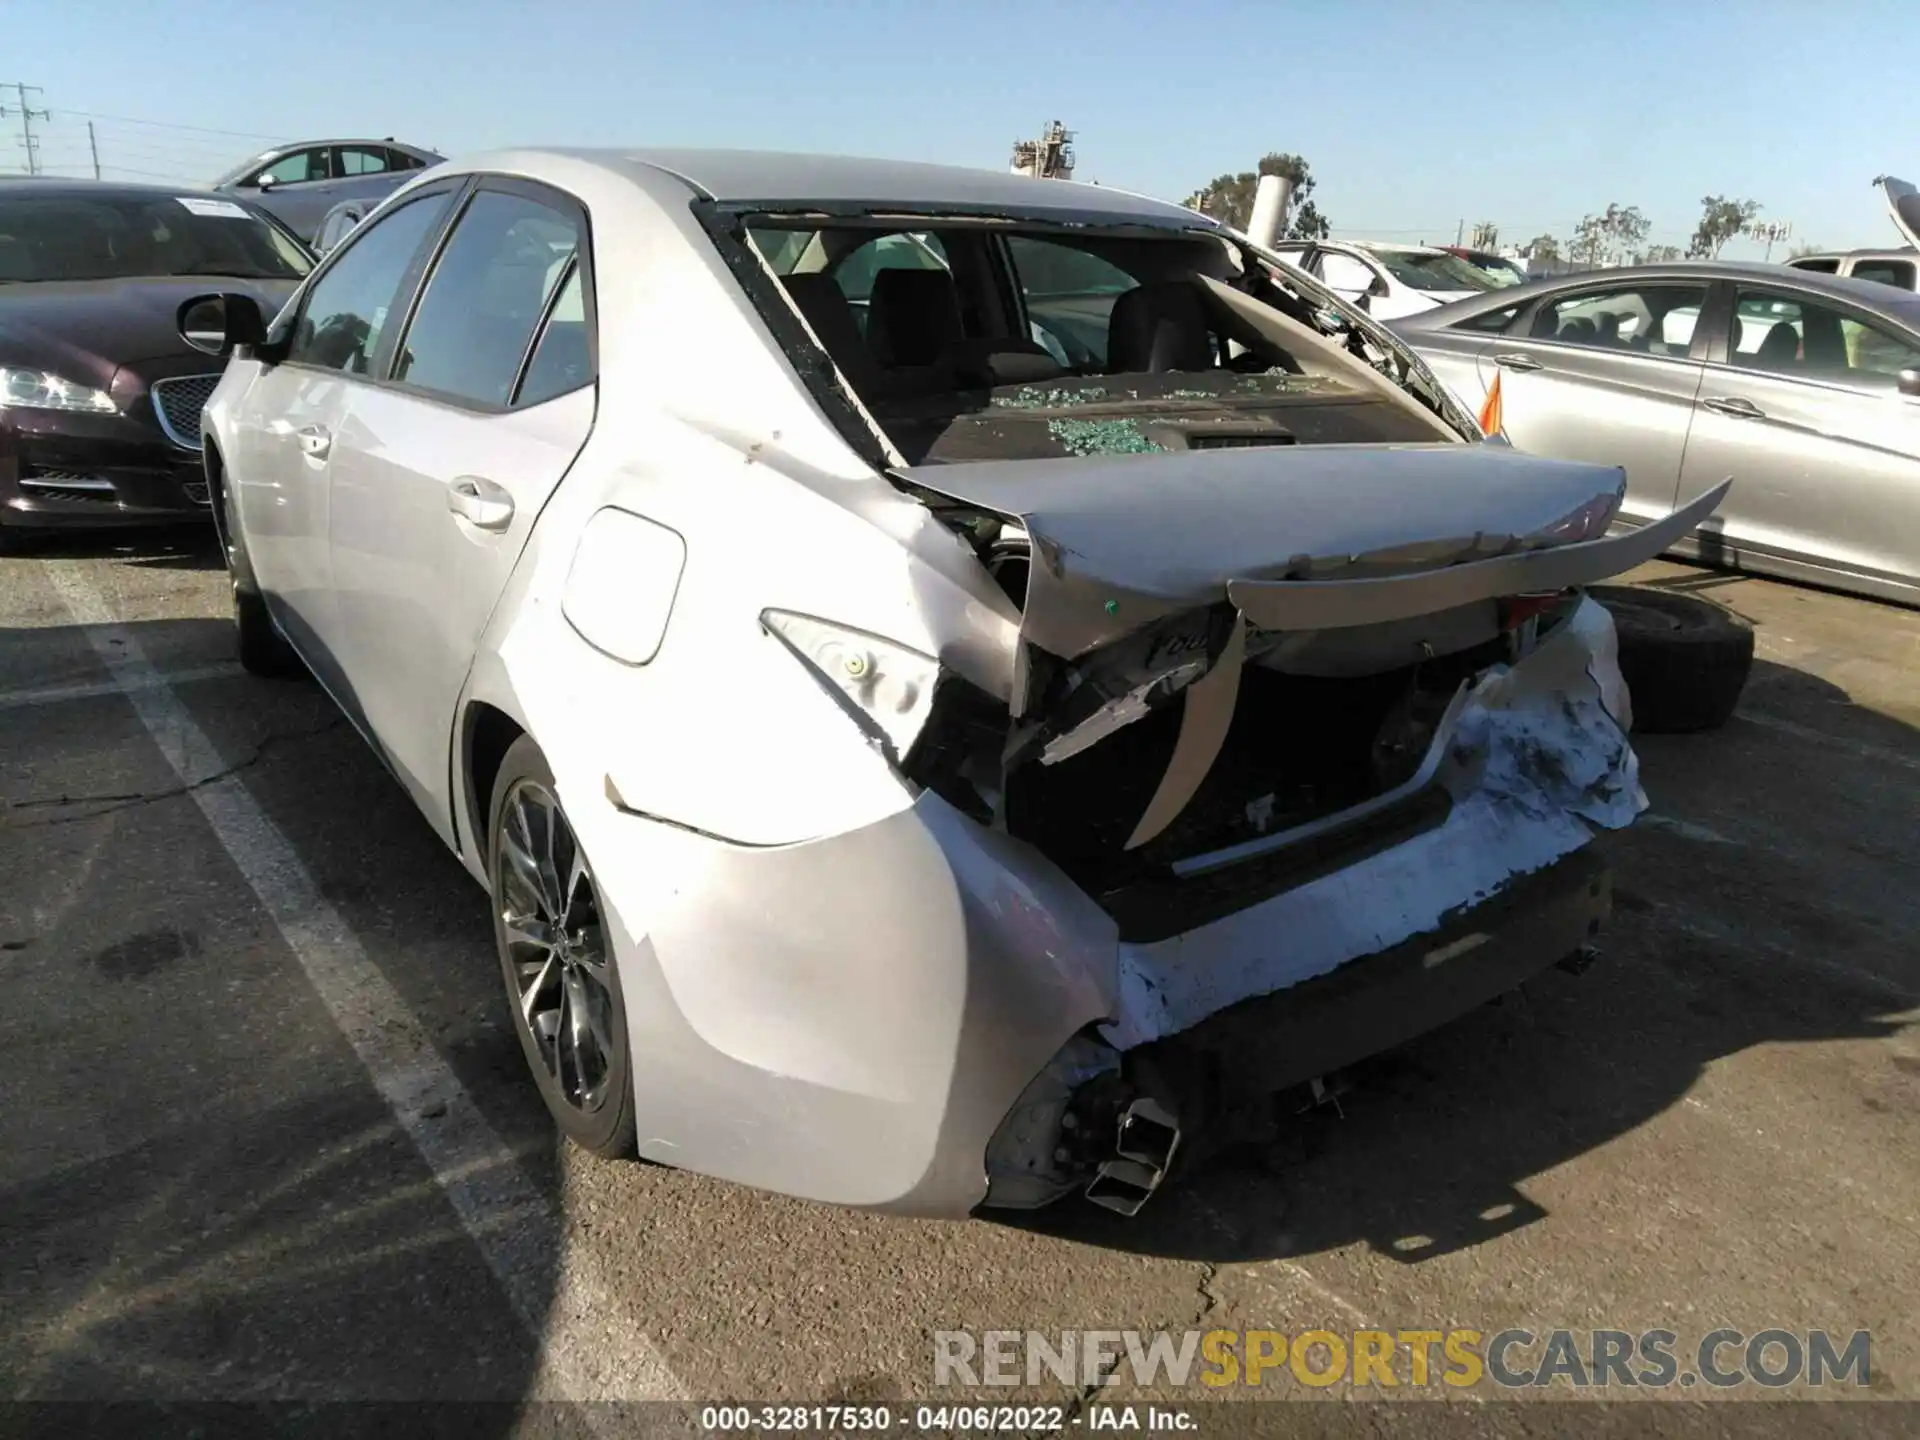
x=1521, y=329
x=429, y=243
x=1718, y=358
x=421, y=273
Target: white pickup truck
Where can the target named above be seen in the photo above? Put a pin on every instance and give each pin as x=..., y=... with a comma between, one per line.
x=1897, y=267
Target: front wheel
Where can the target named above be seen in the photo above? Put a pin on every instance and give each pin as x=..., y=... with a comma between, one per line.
x=562, y=981
x=262, y=648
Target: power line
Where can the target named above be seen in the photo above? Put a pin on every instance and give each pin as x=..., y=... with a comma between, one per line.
x=28, y=115
x=170, y=125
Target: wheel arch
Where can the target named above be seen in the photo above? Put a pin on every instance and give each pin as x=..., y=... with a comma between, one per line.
x=486, y=733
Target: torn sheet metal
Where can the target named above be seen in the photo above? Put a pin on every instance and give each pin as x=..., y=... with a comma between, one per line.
x=1539, y=760
x=1122, y=540
x=1376, y=600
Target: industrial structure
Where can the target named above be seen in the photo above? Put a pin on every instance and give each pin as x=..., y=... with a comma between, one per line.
x=1048, y=158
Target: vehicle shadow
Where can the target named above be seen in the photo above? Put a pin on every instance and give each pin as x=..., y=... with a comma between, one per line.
x=158, y=547
x=1715, y=947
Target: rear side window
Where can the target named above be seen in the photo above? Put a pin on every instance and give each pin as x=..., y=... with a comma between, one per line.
x=486, y=296
x=1069, y=296
x=563, y=355
x=346, y=311
x=1828, y=266
x=1897, y=273
x=1796, y=338
x=360, y=160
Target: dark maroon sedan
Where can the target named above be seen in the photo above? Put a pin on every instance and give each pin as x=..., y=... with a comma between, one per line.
x=100, y=397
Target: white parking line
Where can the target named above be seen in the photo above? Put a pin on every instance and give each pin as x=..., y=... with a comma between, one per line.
x=99, y=689
x=586, y=1353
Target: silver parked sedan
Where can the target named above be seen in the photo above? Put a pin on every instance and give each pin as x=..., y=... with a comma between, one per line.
x=909, y=769
x=1804, y=388
x=302, y=182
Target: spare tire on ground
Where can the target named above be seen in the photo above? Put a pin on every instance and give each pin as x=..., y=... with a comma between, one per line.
x=1685, y=660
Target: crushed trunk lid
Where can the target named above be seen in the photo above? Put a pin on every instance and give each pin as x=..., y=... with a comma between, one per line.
x=1297, y=539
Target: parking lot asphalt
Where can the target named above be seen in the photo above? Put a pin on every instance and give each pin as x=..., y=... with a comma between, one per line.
x=267, y=1131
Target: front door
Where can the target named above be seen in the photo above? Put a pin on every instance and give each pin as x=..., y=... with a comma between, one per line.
x=288, y=423
x=1801, y=407
x=1606, y=374
x=442, y=472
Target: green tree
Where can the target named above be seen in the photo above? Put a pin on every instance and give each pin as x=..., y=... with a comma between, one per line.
x=1542, y=247
x=1229, y=198
x=1614, y=235
x=1720, y=220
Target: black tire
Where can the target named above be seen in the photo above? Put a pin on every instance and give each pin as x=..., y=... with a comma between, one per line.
x=263, y=650
x=1685, y=660
x=606, y=1128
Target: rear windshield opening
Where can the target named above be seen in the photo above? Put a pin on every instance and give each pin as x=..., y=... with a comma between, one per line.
x=970, y=341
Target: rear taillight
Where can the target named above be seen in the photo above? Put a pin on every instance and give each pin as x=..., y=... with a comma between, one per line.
x=1516, y=610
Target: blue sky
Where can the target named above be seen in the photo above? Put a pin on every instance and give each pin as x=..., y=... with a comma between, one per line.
x=1414, y=116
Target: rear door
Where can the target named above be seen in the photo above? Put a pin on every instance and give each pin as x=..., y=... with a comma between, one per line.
x=1800, y=407
x=1606, y=373
x=443, y=470
x=287, y=422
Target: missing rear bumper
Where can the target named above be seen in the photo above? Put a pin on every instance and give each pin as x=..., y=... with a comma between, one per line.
x=1113, y=1124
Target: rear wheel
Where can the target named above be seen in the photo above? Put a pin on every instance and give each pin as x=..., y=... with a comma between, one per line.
x=562, y=981
x=1685, y=660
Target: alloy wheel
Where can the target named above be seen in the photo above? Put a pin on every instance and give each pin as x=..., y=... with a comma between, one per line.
x=556, y=948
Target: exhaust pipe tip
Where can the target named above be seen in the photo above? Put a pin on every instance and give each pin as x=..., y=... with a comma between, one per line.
x=1123, y=1186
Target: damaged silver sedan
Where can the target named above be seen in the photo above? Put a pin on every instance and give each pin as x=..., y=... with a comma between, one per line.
x=941, y=674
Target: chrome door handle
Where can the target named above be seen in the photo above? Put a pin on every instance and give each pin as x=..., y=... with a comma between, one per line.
x=1736, y=407
x=315, y=440
x=1520, y=363
x=481, y=503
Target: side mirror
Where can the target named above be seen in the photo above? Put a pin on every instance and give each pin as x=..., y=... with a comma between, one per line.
x=1910, y=383
x=222, y=324
x=264, y=181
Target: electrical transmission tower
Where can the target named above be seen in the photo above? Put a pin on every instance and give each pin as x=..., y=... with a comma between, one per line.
x=29, y=142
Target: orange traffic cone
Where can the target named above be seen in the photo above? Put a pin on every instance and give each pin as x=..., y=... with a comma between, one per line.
x=1491, y=422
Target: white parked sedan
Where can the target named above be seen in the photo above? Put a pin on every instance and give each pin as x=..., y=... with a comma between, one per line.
x=906, y=767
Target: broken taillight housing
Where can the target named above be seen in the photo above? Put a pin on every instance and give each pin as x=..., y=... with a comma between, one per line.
x=885, y=687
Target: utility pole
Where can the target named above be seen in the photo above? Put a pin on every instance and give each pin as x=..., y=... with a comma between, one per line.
x=94, y=146
x=28, y=115
x=1460, y=231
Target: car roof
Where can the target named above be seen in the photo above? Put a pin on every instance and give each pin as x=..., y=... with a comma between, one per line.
x=778, y=178
x=1869, y=294
x=1872, y=252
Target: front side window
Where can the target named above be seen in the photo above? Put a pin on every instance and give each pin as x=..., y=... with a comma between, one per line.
x=1491, y=322
x=1069, y=296
x=297, y=168
x=361, y=160
x=1800, y=339
x=347, y=310
x=1345, y=274
x=121, y=236
x=507, y=255
x=1650, y=319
